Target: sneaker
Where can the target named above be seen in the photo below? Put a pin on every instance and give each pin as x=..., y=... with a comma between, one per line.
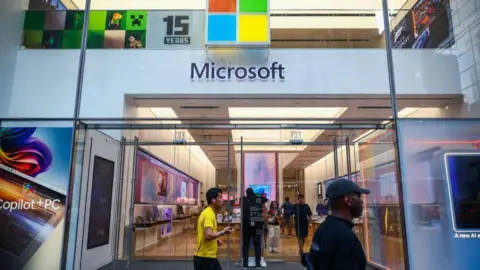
x=270, y=249
x=282, y=236
x=258, y=267
x=275, y=250
x=290, y=236
x=245, y=266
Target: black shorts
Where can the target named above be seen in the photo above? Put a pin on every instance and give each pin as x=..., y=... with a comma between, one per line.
x=301, y=231
x=201, y=263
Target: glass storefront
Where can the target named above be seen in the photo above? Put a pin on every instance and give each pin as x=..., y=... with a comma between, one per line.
x=128, y=108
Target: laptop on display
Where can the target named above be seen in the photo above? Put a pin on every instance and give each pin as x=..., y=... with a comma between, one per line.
x=29, y=213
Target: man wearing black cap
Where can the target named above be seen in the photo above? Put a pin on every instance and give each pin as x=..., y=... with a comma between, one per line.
x=334, y=245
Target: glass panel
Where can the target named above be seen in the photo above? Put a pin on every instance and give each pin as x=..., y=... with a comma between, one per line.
x=40, y=58
x=441, y=40
x=381, y=221
x=171, y=183
x=439, y=161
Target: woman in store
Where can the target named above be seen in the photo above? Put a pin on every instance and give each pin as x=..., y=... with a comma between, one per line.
x=274, y=216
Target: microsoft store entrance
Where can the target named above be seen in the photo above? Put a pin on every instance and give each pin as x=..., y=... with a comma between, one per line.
x=164, y=171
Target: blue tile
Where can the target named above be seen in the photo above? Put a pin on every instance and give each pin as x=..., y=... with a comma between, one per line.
x=222, y=28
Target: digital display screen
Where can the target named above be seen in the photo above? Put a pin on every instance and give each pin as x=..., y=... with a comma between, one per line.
x=262, y=190
x=158, y=182
x=426, y=25
x=463, y=176
x=260, y=170
x=100, y=203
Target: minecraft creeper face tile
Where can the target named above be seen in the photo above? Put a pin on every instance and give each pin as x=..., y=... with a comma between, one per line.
x=136, y=20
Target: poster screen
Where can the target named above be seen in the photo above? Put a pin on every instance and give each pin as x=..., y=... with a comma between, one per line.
x=463, y=172
x=426, y=25
x=260, y=170
x=34, y=178
x=100, y=203
x=158, y=182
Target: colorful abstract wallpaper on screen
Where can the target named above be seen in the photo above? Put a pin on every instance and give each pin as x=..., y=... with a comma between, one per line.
x=62, y=29
x=260, y=174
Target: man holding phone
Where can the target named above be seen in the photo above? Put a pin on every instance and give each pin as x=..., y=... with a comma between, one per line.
x=205, y=257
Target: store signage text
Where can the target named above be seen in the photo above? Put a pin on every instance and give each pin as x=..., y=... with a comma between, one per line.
x=210, y=71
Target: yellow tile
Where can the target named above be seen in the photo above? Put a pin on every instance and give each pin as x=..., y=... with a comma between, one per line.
x=253, y=28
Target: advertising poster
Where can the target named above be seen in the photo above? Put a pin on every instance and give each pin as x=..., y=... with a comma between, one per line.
x=426, y=25
x=402, y=34
x=34, y=178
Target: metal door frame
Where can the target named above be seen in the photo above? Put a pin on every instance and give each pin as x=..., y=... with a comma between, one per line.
x=128, y=251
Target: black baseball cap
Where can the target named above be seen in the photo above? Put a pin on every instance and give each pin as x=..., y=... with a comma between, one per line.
x=343, y=187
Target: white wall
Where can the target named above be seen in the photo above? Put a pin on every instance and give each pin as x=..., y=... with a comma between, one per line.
x=11, y=18
x=110, y=74
x=324, y=169
x=283, y=160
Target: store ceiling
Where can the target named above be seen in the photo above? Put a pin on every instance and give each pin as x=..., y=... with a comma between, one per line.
x=328, y=14
x=345, y=108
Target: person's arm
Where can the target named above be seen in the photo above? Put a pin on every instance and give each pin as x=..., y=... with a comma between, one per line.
x=210, y=235
x=208, y=230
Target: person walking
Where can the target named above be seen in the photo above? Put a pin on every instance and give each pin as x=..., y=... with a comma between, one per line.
x=252, y=231
x=205, y=257
x=273, y=215
x=303, y=220
x=287, y=208
x=335, y=246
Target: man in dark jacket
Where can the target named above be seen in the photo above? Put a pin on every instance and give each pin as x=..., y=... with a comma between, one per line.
x=252, y=229
x=334, y=245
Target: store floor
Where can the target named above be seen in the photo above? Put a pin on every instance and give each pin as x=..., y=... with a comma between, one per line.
x=182, y=246
x=188, y=265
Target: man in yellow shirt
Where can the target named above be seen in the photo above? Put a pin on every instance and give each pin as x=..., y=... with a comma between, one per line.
x=205, y=257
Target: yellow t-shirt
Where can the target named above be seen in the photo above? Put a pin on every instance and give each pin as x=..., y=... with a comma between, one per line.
x=206, y=248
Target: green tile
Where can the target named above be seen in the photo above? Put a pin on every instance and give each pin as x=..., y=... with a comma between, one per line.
x=97, y=20
x=96, y=39
x=52, y=39
x=116, y=20
x=136, y=20
x=75, y=20
x=256, y=6
x=72, y=39
x=34, y=20
x=140, y=38
x=32, y=39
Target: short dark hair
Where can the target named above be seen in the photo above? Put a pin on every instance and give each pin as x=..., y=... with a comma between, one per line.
x=301, y=196
x=287, y=198
x=213, y=194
